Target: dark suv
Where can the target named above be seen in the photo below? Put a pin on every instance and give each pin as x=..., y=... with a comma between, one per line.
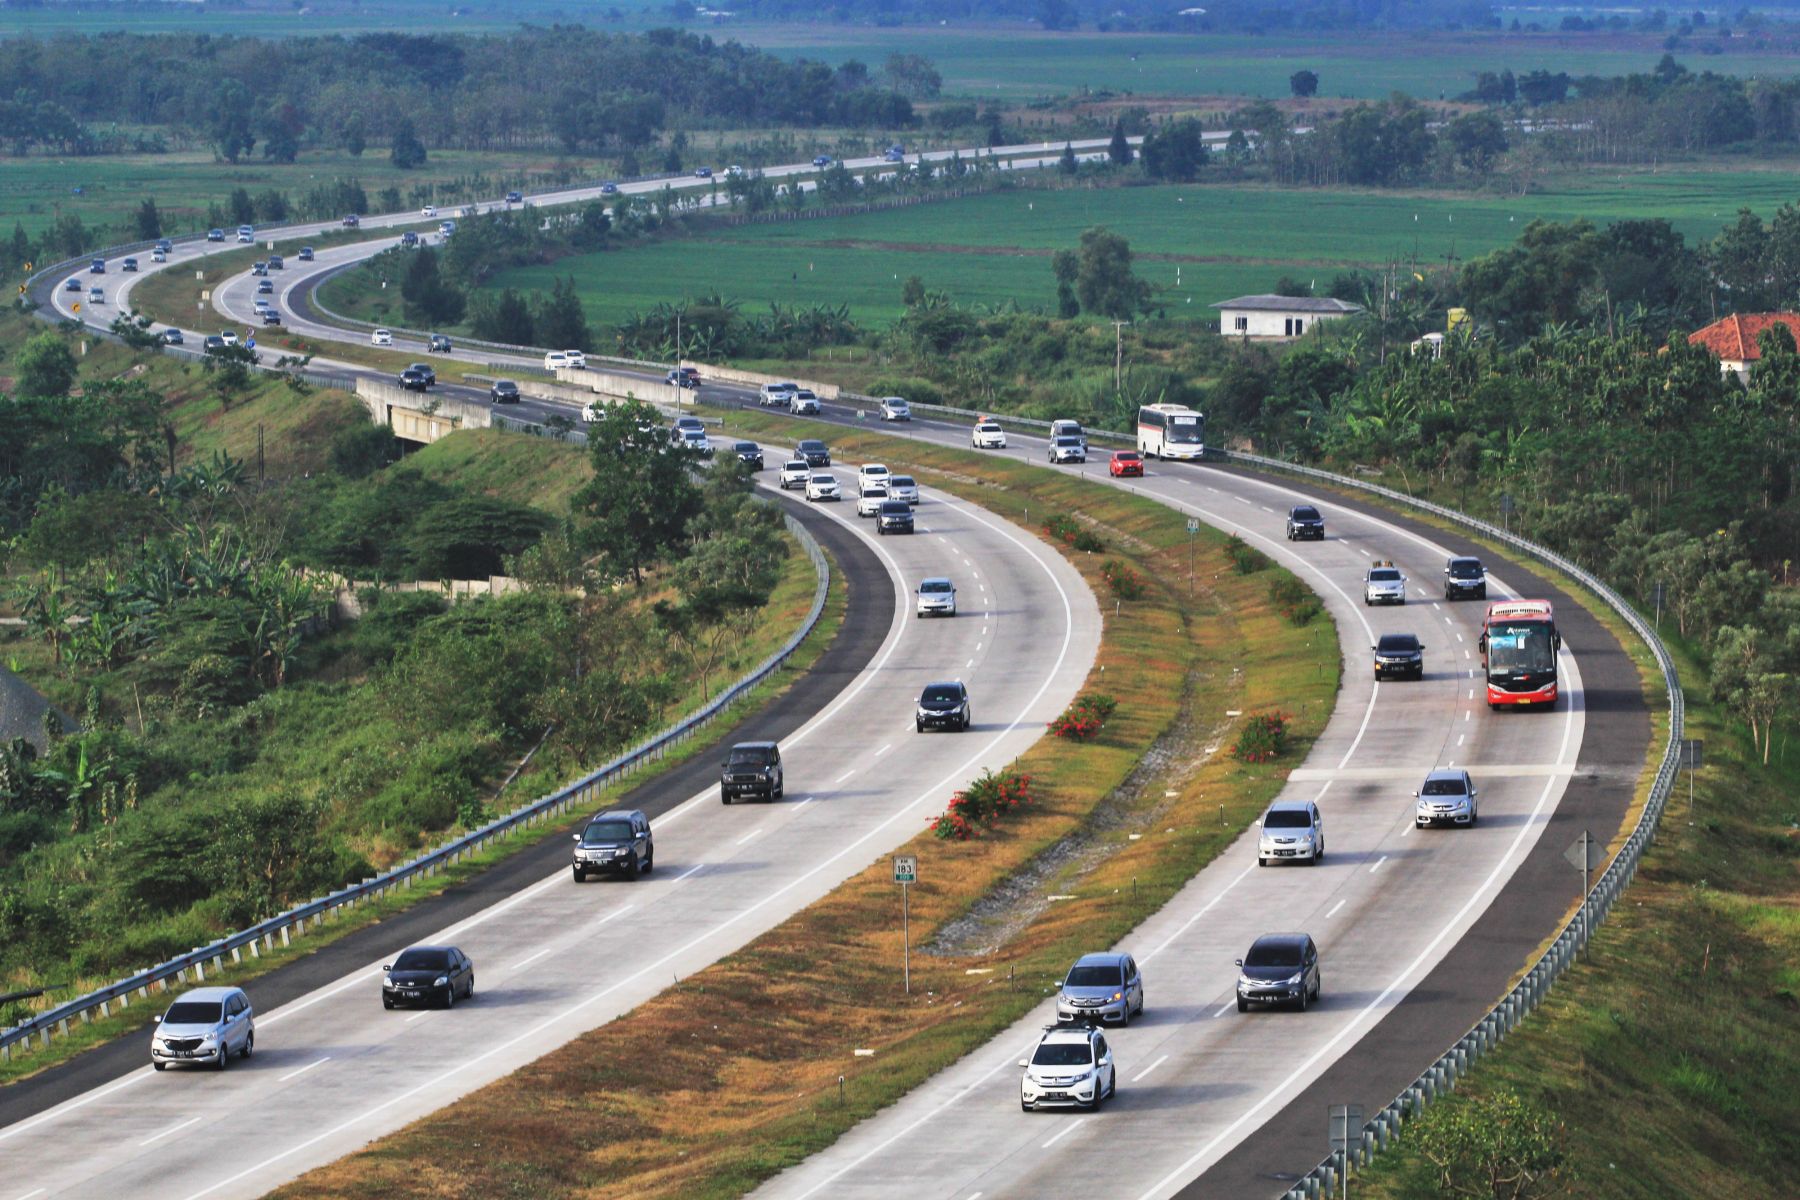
x=943, y=705
x=617, y=841
x=752, y=769
x=1399, y=654
x=814, y=452
x=503, y=391
x=1304, y=521
x=1465, y=577
x=894, y=516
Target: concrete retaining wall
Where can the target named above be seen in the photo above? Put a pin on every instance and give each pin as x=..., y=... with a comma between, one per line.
x=620, y=386
x=824, y=391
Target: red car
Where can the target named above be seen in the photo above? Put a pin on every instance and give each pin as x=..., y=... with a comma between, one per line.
x=1126, y=462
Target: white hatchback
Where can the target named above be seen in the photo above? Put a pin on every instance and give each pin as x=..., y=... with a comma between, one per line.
x=987, y=435
x=382, y=337
x=872, y=473
x=430, y=210
x=822, y=487
x=555, y=359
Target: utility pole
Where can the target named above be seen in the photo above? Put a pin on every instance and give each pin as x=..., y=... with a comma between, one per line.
x=1119, y=354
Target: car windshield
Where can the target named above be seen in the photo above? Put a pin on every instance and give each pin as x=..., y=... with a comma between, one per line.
x=1397, y=642
x=941, y=693
x=607, y=831
x=892, y=508
x=1520, y=648
x=936, y=587
x=1465, y=568
x=988, y=428
x=1273, y=954
x=1068, y=441
x=1306, y=513
x=1286, y=818
x=745, y=447
x=901, y=481
x=1442, y=787
x=812, y=447
x=507, y=385
x=749, y=758
x=824, y=479
x=875, y=493
x=1127, y=456
x=1106, y=975
x=423, y=960
x=1062, y=1054
x=1384, y=575
x=799, y=464
x=193, y=1012
x=803, y=395
x=1183, y=429
x=688, y=423
x=694, y=435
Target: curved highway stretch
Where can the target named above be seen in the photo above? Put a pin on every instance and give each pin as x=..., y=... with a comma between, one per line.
x=1414, y=942
x=333, y=1070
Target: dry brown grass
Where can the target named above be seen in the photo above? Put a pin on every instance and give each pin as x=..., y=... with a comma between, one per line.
x=719, y=1082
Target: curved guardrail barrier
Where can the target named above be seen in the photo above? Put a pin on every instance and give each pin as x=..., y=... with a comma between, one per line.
x=1330, y=1177
x=202, y=960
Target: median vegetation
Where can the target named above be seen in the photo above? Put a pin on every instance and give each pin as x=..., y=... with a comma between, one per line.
x=1174, y=666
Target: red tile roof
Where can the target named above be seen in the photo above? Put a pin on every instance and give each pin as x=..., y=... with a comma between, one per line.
x=1733, y=338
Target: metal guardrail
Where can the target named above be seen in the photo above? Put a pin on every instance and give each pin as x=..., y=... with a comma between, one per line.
x=203, y=961
x=1329, y=1178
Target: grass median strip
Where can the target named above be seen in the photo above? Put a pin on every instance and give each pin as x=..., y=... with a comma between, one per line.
x=751, y=1064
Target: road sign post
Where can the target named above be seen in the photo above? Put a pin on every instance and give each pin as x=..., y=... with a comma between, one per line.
x=1507, y=508
x=1585, y=853
x=1346, y=1119
x=1193, y=524
x=1693, y=755
x=906, y=873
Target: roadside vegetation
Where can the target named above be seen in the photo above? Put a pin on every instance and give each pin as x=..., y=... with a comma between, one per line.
x=738, y=1090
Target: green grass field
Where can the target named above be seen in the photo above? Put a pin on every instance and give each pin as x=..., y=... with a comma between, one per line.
x=1226, y=240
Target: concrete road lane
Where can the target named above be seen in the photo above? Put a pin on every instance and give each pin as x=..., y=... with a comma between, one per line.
x=333, y=1069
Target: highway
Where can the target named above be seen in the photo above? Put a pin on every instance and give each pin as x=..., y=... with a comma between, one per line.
x=1392, y=907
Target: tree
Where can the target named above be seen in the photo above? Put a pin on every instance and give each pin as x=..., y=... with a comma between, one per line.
x=1494, y=1146
x=355, y=140
x=1067, y=267
x=149, y=221
x=406, y=151
x=1068, y=164
x=1103, y=280
x=1304, y=83
x=428, y=297
x=1057, y=14
x=44, y=368
x=1478, y=139
x=505, y=319
x=912, y=292
x=913, y=75
x=560, y=321
x=642, y=495
x=240, y=209
x=1537, y=280
x=1176, y=152
x=1118, y=152
x=1740, y=261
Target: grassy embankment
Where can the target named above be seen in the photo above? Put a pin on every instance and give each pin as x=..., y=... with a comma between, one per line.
x=745, y=1079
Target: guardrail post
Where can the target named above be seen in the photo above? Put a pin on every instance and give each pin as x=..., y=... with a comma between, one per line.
x=284, y=935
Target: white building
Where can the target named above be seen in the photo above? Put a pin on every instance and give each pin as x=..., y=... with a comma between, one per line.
x=1267, y=318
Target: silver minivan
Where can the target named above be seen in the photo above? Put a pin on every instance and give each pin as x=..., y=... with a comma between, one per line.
x=1292, y=830
x=206, y=1027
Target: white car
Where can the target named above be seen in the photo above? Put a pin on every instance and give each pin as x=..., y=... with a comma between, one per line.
x=430, y=210
x=936, y=598
x=902, y=487
x=893, y=408
x=868, y=473
x=446, y=228
x=159, y=255
x=555, y=359
x=260, y=303
x=96, y=296
x=820, y=486
x=1384, y=584
x=1068, y=449
x=1072, y=1066
x=776, y=395
x=803, y=403
x=592, y=411
x=382, y=337
x=987, y=435
x=869, y=499
x=1447, y=796
x=576, y=358
x=228, y=336
x=795, y=474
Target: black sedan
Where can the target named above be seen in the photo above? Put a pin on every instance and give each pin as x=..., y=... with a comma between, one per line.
x=428, y=975
x=749, y=453
x=504, y=391
x=414, y=380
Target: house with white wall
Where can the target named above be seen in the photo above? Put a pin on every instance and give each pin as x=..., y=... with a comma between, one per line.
x=1277, y=318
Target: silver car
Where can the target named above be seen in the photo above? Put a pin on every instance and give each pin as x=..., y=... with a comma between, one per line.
x=1101, y=987
x=903, y=487
x=1070, y=1067
x=1446, y=797
x=1384, y=584
x=893, y=408
x=1292, y=831
x=206, y=1026
x=937, y=598
x=1068, y=449
x=803, y=403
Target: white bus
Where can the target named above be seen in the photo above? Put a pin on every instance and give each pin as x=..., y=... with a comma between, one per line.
x=1170, y=431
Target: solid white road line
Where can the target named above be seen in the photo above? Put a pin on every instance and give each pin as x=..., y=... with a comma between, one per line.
x=1159, y=1062
x=171, y=1129
x=303, y=1070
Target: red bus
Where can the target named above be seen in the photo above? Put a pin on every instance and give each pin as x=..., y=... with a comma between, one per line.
x=1518, y=653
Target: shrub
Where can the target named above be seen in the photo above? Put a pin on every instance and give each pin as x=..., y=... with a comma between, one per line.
x=1126, y=583
x=908, y=387
x=981, y=805
x=1247, y=560
x=1293, y=600
x=1083, y=719
x=1264, y=738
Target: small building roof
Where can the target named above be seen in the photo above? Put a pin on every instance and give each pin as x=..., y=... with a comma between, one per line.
x=1324, y=305
x=1733, y=338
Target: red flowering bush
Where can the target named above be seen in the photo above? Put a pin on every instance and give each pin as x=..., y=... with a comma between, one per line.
x=1264, y=737
x=1061, y=527
x=981, y=805
x=1083, y=719
x=1126, y=583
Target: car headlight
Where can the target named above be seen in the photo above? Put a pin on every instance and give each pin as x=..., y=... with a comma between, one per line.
x=1295, y=978
x=441, y=981
x=388, y=982
x=1118, y=995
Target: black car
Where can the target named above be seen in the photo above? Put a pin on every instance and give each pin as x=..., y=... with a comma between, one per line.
x=504, y=391
x=276, y=263
x=1399, y=654
x=129, y=264
x=414, y=380
x=702, y=172
x=515, y=197
x=165, y=245
x=752, y=769
x=409, y=238
x=616, y=842
x=609, y=189
x=749, y=453
x=266, y=288
x=352, y=221
x=1281, y=968
x=439, y=344
x=271, y=316
x=428, y=975
x=172, y=337
x=1304, y=521
x=943, y=705
x=425, y=369
x=97, y=267
x=214, y=342
x=895, y=516
x=1465, y=578
x=814, y=452
x=74, y=285
x=215, y=235
x=306, y=254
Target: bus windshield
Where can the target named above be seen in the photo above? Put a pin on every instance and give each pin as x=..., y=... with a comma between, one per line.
x=1183, y=429
x=1513, y=648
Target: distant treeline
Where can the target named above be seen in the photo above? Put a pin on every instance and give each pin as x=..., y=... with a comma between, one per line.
x=562, y=88
x=1250, y=16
